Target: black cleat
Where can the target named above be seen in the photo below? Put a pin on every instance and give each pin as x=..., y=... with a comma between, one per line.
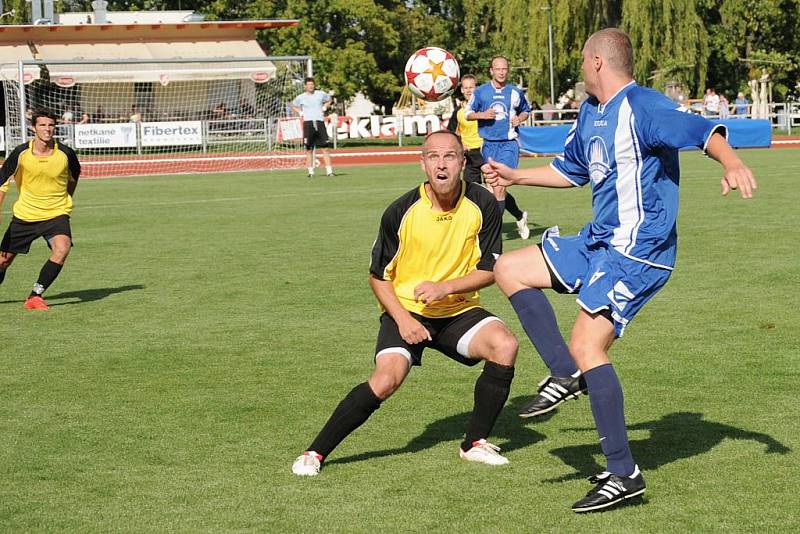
x=611, y=490
x=552, y=392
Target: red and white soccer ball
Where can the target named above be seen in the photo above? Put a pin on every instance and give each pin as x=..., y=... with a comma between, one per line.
x=432, y=73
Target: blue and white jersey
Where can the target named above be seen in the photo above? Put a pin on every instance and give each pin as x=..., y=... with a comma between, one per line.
x=628, y=149
x=310, y=104
x=507, y=102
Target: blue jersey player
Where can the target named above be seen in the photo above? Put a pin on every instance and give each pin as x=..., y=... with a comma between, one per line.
x=624, y=144
x=499, y=109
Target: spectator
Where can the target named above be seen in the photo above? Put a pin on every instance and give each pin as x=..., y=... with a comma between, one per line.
x=67, y=117
x=711, y=103
x=547, y=109
x=246, y=109
x=741, y=106
x=724, y=107
x=85, y=118
x=220, y=111
x=135, y=115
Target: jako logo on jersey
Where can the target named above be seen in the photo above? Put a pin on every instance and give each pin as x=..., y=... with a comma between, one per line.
x=597, y=154
x=620, y=295
x=441, y=218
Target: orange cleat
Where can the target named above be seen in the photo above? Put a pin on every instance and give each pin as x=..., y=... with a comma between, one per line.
x=36, y=303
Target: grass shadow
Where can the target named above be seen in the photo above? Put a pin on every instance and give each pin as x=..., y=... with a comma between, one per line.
x=673, y=437
x=83, y=295
x=89, y=295
x=507, y=433
x=509, y=231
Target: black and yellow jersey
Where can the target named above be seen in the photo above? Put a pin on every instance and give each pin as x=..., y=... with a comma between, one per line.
x=416, y=244
x=468, y=131
x=42, y=181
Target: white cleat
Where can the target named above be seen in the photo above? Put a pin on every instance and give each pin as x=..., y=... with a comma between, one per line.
x=307, y=464
x=522, y=226
x=484, y=452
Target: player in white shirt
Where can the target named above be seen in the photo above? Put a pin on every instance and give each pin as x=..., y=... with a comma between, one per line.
x=311, y=104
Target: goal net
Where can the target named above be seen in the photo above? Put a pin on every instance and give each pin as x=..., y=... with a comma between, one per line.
x=134, y=117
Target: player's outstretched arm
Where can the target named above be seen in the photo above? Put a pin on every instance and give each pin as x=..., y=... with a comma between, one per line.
x=498, y=174
x=411, y=330
x=736, y=174
x=430, y=292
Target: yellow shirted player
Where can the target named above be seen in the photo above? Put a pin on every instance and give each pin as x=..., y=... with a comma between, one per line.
x=468, y=131
x=436, y=247
x=46, y=174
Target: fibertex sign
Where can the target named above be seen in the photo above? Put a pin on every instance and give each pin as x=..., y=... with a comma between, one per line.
x=124, y=135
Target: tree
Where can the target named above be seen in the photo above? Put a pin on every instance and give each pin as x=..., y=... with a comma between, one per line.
x=669, y=41
x=524, y=30
x=357, y=45
x=747, y=36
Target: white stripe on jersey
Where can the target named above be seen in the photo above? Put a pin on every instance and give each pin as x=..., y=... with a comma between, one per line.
x=512, y=112
x=628, y=157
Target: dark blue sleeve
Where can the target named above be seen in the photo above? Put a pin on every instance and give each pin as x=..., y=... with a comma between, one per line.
x=663, y=125
x=475, y=103
x=572, y=165
x=524, y=106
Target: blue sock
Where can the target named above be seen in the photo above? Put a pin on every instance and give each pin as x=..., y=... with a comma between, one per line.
x=539, y=321
x=605, y=396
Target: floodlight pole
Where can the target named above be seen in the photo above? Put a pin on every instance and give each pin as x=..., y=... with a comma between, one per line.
x=549, y=10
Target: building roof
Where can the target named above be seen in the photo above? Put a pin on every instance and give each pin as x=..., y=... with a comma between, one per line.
x=96, y=33
x=60, y=46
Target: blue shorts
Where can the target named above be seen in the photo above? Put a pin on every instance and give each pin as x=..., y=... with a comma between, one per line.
x=603, y=278
x=506, y=152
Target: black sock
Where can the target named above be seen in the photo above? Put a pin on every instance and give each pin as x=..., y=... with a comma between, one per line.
x=47, y=276
x=512, y=208
x=351, y=413
x=491, y=393
x=539, y=321
x=501, y=205
x=2, y=276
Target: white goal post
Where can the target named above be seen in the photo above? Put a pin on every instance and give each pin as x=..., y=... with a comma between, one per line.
x=139, y=117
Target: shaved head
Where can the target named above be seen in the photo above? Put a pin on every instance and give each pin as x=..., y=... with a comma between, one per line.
x=614, y=46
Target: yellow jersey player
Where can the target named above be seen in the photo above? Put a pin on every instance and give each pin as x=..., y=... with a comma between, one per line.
x=468, y=131
x=46, y=174
x=436, y=247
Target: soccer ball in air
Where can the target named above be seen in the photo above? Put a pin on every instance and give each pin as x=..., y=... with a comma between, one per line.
x=432, y=73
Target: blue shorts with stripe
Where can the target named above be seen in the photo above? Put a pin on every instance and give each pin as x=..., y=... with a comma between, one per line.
x=603, y=278
x=506, y=152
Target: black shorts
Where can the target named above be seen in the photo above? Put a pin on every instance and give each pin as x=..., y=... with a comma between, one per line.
x=472, y=170
x=315, y=134
x=21, y=234
x=450, y=336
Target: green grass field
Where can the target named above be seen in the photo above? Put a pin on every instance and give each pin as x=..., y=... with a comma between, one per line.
x=205, y=327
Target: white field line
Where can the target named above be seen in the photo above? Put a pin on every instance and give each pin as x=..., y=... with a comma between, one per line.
x=240, y=158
